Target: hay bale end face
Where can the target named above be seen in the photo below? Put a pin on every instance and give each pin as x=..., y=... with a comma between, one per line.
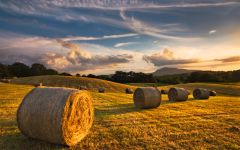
x=178, y=94
x=101, y=90
x=213, y=93
x=128, y=91
x=201, y=93
x=56, y=115
x=147, y=97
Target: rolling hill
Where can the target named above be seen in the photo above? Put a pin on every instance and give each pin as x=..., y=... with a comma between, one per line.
x=73, y=82
x=171, y=71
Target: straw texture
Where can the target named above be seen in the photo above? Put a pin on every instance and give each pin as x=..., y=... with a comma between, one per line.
x=178, y=94
x=147, y=97
x=201, y=93
x=56, y=115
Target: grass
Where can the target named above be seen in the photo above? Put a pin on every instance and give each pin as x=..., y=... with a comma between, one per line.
x=194, y=124
x=73, y=82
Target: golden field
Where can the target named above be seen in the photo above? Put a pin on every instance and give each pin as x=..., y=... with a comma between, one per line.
x=194, y=124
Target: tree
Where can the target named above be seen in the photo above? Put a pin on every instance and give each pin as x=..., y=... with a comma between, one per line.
x=91, y=76
x=78, y=75
x=38, y=69
x=50, y=72
x=65, y=74
x=19, y=70
x=4, y=72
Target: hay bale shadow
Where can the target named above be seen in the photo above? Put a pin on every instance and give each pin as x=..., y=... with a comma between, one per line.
x=19, y=141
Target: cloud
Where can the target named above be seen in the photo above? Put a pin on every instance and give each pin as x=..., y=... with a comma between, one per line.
x=229, y=59
x=56, y=53
x=212, y=31
x=36, y=5
x=83, y=38
x=167, y=57
x=147, y=29
x=124, y=44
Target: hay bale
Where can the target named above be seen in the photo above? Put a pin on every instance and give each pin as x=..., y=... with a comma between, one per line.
x=213, y=93
x=82, y=88
x=128, y=91
x=56, y=115
x=147, y=97
x=5, y=80
x=164, y=91
x=101, y=90
x=178, y=94
x=201, y=93
x=38, y=85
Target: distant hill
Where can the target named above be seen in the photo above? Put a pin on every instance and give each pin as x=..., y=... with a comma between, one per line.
x=171, y=71
x=73, y=82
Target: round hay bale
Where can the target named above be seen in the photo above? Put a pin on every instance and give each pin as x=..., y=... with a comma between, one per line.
x=128, y=91
x=37, y=85
x=164, y=91
x=178, y=94
x=201, y=93
x=82, y=88
x=5, y=80
x=56, y=115
x=147, y=97
x=213, y=93
x=101, y=90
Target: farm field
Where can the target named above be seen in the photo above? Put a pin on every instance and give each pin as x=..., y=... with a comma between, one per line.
x=194, y=124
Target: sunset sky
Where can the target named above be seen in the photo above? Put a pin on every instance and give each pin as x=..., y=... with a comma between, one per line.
x=100, y=37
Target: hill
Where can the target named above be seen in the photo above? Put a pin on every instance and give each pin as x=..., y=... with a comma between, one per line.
x=73, y=82
x=194, y=124
x=171, y=71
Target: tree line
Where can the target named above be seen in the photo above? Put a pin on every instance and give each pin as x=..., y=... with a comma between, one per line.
x=21, y=70
x=199, y=76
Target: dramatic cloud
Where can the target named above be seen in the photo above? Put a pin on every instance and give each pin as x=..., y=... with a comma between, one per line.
x=167, y=57
x=93, y=36
x=229, y=59
x=58, y=54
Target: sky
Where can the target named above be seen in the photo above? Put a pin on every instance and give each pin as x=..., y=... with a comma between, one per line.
x=103, y=36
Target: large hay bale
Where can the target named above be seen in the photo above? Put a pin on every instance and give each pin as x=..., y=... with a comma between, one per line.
x=213, y=93
x=128, y=91
x=101, y=90
x=56, y=115
x=201, y=93
x=178, y=94
x=147, y=97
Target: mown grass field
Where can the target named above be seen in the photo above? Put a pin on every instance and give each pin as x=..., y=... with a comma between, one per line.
x=194, y=124
x=73, y=82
